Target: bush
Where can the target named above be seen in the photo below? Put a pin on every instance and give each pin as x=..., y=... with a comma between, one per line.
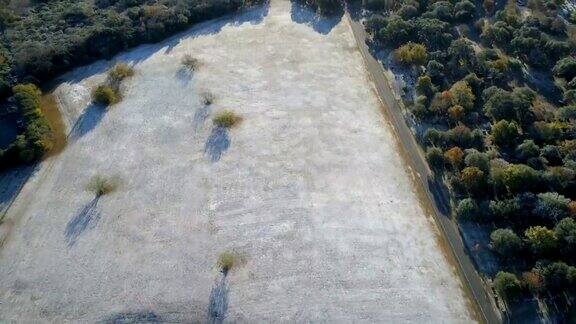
x=507, y=286
x=505, y=242
x=120, y=72
x=226, y=119
x=101, y=186
x=226, y=261
x=190, y=62
x=208, y=98
x=105, y=95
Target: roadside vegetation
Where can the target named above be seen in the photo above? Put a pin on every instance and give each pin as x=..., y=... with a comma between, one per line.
x=42, y=39
x=496, y=133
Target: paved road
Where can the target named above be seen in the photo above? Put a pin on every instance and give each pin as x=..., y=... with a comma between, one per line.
x=437, y=196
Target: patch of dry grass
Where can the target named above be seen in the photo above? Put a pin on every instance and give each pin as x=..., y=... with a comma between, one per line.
x=190, y=62
x=226, y=119
x=120, y=72
x=101, y=186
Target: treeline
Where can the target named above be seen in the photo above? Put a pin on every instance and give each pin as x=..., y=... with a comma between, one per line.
x=37, y=136
x=53, y=36
x=41, y=39
x=325, y=7
x=507, y=155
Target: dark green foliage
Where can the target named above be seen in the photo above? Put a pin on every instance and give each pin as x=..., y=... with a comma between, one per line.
x=468, y=209
x=61, y=34
x=507, y=286
x=435, y=158
x=493, y=124
x=566, y=233
x=551, y=205
x=505, y=242
x=558, y=276
x=542, y=241
x=37, y=137
x=505, y=134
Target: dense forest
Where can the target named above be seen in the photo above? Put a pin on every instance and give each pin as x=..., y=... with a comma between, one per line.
x=494, y=91
x=40, y=39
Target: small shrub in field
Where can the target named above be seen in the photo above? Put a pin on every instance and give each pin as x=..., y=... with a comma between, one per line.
x=190, y=62
x=226, y=261
x=226, y=119
x=208, y=98
x=120, y=72
x=101, y=186
x=105, y=95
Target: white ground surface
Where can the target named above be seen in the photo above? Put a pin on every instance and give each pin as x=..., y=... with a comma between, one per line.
x=311, y=192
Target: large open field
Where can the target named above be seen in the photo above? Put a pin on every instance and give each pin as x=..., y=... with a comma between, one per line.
x=308, y=191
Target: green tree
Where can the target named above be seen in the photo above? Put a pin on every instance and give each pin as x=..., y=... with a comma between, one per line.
x=542, y=241
x=412, y=54
x=468, y=209
x=552, y=205
x=473, y=179
x=565, y=68
x=435, y=158
x=558, y=276
x=477, y=159
x=528, y=149
x=507, y=286
x=566, y=233
x=505, y=209
x=505, y=242
x=505, y=134
x=520, y=177
x=462, y=95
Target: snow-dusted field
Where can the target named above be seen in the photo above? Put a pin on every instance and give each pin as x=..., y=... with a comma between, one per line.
x=309, y=190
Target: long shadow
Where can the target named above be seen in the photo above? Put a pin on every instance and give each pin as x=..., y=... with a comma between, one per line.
x=88, y=216
x=218, y=142
x=218, y=305
x=11, y=182
x=436, y=190
x=200, y=116
x=133, y=317
x=303, y=14
x=184, y=76
x=88, y=121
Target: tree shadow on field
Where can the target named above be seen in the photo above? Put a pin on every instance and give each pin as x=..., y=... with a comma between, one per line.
x=184, y=75
x=302, y=14
x=133, y=317
x=217, y=143
x=88, y=216
x=11, y=182
x=218, y=305
x=200, y=116
x=88, y=121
